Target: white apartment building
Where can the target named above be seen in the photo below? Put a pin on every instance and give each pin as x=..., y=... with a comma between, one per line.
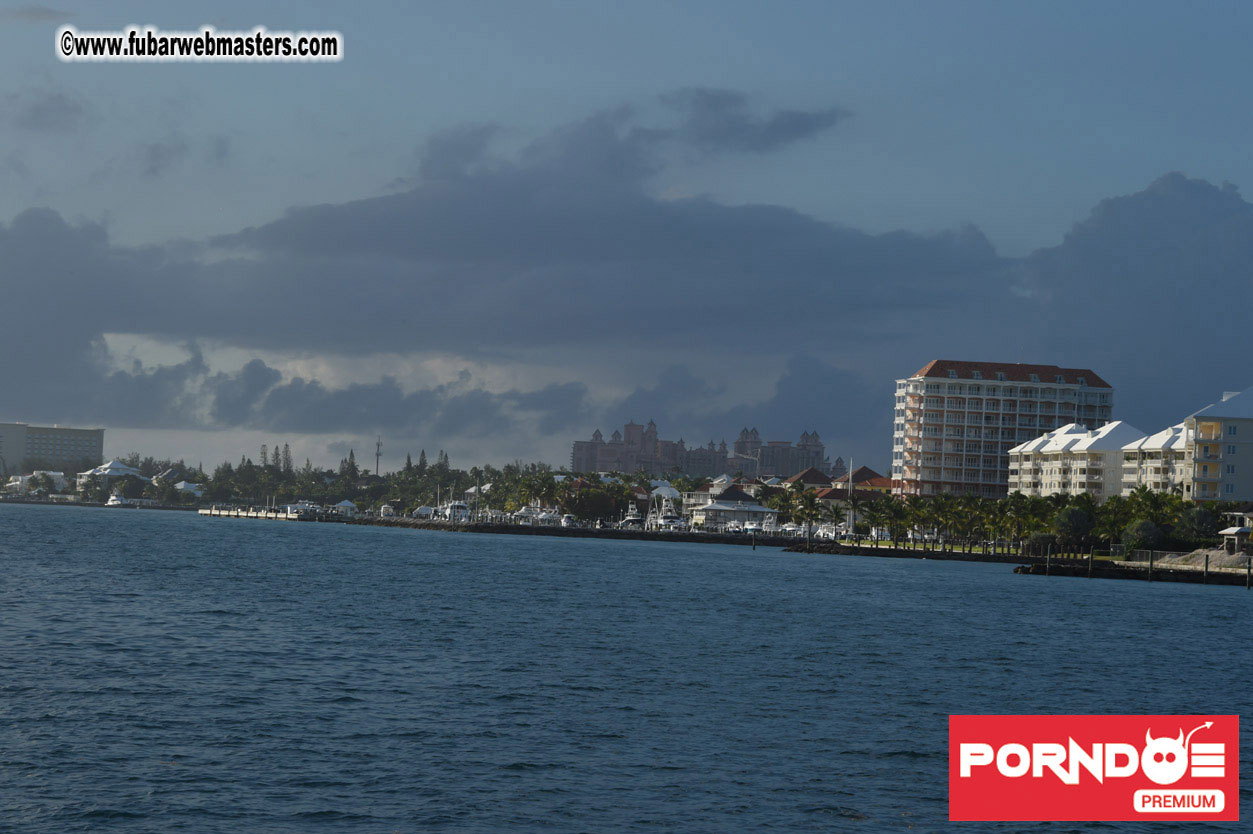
x=1222, y=449
x=25, y=447
x=1161, y=462
x=956, y=422
x=1072, y=460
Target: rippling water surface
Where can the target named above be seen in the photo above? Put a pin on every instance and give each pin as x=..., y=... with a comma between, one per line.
x=160, y=672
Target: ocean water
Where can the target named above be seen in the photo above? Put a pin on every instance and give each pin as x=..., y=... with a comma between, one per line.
x=165, y=672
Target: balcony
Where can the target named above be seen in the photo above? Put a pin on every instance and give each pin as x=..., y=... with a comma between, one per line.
x=1209, y=477
x=1209, y=431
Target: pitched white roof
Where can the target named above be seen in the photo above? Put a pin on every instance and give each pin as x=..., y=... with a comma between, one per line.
x=113, y=469
x=1236, y=406
x=1110, y=437
x=667, y=491
x=1075, y=437
x=1174, y=439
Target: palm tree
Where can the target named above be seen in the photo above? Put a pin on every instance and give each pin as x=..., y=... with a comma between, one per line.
x=943, y=512
x=875, y=514
x=808, y=509
x=916, y=515
x=855, y=505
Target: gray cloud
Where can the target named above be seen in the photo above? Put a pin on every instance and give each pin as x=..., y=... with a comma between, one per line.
x=453, y=153
x=32, y=13
x=561, y=249
x=219, y=150
x=719, y=120
x=48, y=111
x=156, y=158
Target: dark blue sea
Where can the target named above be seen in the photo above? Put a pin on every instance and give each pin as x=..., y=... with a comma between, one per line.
x=165, y=672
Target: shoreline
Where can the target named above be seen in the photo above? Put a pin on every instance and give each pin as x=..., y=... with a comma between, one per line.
x=1025, y=565
x=1047, y=566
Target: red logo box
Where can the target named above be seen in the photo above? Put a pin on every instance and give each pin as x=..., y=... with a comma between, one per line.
x=1024, y=768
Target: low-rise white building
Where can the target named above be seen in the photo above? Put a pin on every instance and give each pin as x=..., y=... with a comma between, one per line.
x=1072, y=460
x=22, y=483
x=1222, y=449
x=108, y=472
x=1161, y=462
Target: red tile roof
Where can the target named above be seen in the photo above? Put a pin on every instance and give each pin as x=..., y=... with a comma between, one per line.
x=861, y=475
x=1013, y=371
x=809, y=476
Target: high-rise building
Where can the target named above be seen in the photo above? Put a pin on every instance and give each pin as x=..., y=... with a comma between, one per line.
x=955, y=422
x=25, y=448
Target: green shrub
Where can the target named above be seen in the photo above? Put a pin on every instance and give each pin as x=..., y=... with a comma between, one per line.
x=1039, y=544
x=1142, y=534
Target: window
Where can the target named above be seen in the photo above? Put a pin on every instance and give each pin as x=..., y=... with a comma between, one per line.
x=1000, y=376
x=1231, y=469
x=1035, y=377
x=1231, y=450
x=976, y=375
x=1229, y=488
x=952, y=374
x=1231, y=430
x=1083, y=380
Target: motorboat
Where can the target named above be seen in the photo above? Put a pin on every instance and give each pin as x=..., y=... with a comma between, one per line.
x=632, y=519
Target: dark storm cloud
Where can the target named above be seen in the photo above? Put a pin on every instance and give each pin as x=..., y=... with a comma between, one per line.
x=234, y=396
x=563, y=243
x=716, y=120
x=562, y=249
x=1152, y=291
x=48, y=111
x=254, y=398
x=452, y=153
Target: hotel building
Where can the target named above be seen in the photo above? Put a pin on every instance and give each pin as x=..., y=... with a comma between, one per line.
x=1073, y=460
x=955, y=422
x=24, y=448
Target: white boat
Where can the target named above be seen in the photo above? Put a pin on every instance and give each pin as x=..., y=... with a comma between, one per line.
x=456, y=512
x=528, y=516
x=119, y=501
x=664, y=517
x=568, y=520
x=632, y=519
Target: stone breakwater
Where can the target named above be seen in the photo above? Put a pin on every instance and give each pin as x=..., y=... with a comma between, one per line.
x=577, y=532
x=1040, y=566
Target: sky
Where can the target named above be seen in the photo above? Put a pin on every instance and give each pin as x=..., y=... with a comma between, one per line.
x=495, y=227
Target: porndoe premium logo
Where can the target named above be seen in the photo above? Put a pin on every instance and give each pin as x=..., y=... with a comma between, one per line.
x=1093, y=767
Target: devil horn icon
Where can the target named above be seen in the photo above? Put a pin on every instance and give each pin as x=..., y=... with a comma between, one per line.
x=1148, y=735
x=1180, y=740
